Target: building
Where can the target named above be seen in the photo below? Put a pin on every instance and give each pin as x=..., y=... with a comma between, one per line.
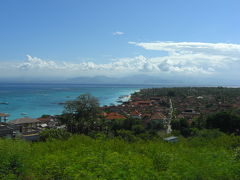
x=9, y=131
x=157, y=116
x=3, y=117
x=135, y=115
x=26, y=124
x=114, y=115
x=171, y=139
x=5, y=131
x=190, y=114
x=47, y=122
x=158, y=121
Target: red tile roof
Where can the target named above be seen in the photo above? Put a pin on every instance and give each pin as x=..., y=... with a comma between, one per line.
x=157, y=116
x=135, y=113
x=114, y=115
x=44, y=119
x=4, y=115
x=25, y=120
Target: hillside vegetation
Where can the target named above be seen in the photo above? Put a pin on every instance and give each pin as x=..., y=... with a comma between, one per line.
x=211, y=155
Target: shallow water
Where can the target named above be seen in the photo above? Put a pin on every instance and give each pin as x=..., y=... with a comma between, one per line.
x=38, y=99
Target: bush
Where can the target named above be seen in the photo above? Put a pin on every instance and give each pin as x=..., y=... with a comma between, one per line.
x=54, y=134
x=208, y=156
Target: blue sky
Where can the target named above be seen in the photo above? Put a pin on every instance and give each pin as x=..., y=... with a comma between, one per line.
x=84, y=31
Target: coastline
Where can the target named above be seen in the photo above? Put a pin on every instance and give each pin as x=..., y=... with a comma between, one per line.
x=34, y=101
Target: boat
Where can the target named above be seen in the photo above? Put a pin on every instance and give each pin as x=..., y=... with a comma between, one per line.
x=23, y=114
x=5, y=103
x=61, y=103
x=123, y=96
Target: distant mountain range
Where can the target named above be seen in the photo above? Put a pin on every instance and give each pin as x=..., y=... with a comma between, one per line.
x=136, y=79
x=133, y=79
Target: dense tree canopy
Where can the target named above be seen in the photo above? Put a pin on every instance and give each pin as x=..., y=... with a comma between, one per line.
x=224, y=121
x=80, y=115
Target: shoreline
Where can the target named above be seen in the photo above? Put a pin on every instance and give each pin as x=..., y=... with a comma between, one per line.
x=34, y=103
x=57, y=109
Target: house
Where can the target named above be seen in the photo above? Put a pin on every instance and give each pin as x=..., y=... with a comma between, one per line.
x=141, y=103
x=158, y=121
x=44, y=120
x=145, y=103
x=25, y=124
x=135, y=115
x=190, y=114
x=156, y=98
x=114, y=115
x=180, y=116
x=157, y=116
x=171, y=139
x=3, y=117
x=47, y=122
x=5, y=131
x=8, y=131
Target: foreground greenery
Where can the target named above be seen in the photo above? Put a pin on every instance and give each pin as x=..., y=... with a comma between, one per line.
x=211, y=155
x=92, y=147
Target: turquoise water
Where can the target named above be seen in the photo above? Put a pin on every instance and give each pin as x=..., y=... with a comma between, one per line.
x=38, y=99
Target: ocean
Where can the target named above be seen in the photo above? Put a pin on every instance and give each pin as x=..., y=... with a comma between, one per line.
x=34, y=100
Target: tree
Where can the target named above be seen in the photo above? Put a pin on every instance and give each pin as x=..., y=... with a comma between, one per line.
x=54, y=134
x=81, y=115
x=224, y=121
x=181, y=125
x=171, y=93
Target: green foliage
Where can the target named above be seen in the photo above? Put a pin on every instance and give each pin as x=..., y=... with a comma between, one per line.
x=54, y=134
x=126, y=135
x=225, y=121
x=138, y=129
x=217, y=92
x=182, y=126
x=236, y=154
x=209, y=134
x=171, y=93
x=210, y=155
x=199, y=122
x=13, y=154
x=155, y=125
x=80, y=115
x=45, y=116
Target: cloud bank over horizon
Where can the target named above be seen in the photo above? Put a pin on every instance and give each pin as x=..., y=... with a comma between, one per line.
x=183, y=58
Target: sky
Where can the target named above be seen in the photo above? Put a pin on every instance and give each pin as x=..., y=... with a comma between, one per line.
x=62, y=39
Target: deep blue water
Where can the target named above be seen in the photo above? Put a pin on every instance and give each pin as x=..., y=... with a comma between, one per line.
x=38, y=99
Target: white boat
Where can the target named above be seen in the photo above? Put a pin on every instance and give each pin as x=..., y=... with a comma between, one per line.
x=23, y=114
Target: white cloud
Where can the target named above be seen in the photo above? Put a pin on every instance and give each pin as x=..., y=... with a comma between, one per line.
x=183, y=58
x=118, y=33
x=194, y=56
x=37, y=63
x=192, y=47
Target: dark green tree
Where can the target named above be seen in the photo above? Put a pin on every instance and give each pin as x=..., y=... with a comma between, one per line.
x=81, y=115
x=224, y=121
x=182, y=126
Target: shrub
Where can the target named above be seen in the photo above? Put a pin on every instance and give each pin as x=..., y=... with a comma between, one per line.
x=54, y=134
